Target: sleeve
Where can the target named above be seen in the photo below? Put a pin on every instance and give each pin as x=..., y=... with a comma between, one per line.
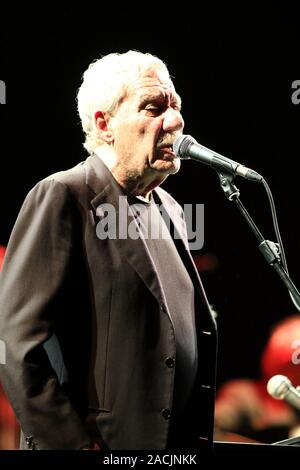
x=37, y=259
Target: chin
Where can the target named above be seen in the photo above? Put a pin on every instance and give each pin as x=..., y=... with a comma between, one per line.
x=167, y=166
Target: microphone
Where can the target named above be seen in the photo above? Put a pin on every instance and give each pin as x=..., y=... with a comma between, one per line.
x=185, y=147
x=281, y=388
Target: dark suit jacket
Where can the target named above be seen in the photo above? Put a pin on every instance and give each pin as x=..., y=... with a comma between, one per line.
x=86, y=327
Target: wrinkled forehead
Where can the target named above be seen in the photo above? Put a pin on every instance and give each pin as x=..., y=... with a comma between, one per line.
x=152, y=81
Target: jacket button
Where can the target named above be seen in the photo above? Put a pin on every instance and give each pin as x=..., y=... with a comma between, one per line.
x=170, y=362
x=205, y=386
x=163, y=308
x=166, y=413
x=30, y=443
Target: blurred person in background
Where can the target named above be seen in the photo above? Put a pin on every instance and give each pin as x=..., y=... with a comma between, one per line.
x=245, y=411
x=9, y=428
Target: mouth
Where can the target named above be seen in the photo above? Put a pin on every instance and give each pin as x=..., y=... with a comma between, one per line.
x=166, y=149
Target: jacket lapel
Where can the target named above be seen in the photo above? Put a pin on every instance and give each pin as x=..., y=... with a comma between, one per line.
x=107, y=191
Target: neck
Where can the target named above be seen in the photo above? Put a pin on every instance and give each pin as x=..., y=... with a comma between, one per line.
x=136, y=184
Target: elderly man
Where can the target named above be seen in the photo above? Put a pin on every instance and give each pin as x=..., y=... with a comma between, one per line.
x=110, y=342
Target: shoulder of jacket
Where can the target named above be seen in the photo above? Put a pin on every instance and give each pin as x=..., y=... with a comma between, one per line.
x=69, y=183
x=71, y=178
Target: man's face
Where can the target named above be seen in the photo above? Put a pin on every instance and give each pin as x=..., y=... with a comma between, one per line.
x=145, y=126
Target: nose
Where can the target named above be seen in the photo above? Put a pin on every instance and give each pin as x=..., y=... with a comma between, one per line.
x=173, y=120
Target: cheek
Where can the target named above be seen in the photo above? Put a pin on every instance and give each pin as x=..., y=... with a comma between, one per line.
x=149, y=135
x=145, y=135
x=137, y=136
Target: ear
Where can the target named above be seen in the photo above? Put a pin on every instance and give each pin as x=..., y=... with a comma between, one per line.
x=102, y=124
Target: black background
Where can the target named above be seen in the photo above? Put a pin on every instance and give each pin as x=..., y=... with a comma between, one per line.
x=234, y=70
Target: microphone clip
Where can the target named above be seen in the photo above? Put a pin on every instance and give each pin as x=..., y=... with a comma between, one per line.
x=229, y=189
x=270, y=251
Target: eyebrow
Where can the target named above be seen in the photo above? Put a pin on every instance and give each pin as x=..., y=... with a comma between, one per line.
x=175, y=98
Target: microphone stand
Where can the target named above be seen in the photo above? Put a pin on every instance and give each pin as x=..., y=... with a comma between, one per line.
x=292, y=441
x=269, y=249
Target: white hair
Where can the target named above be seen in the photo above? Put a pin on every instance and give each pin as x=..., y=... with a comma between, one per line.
x=104, y=85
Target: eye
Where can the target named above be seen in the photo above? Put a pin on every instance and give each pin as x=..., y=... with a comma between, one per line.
x=153, y=110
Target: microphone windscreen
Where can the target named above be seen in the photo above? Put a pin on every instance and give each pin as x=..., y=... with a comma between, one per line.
x=278, y=386
x=181, y=145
